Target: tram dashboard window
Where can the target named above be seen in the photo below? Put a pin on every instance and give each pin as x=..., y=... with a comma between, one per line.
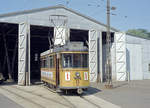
x=67, y=60
x=75, y=60
x=85, y=60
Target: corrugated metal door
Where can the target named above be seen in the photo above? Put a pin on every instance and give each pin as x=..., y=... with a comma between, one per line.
x=120, y=49
x=22, y=52
x=93, y=55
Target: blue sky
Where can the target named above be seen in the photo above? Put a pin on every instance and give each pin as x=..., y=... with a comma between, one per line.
x=130, y=14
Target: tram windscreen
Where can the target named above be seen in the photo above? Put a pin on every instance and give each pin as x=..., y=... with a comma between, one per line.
x=75, y=60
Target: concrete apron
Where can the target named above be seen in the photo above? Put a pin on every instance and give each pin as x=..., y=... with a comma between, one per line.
x=40, y=97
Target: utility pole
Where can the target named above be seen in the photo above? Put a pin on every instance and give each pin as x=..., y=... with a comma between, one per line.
x=108, y=50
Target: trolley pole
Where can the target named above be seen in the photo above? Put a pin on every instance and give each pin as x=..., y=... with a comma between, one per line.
x=108, y=50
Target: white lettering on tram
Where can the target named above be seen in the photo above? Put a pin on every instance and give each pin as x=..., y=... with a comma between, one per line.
x=47, y=74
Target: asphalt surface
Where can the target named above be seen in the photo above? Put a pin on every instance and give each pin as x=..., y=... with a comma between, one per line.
x=7, y=103
x=135, y=94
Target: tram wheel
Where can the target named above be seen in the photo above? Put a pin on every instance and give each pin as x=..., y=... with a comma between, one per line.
x=79, y=91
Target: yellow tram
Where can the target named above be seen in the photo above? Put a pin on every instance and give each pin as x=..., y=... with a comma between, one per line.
x=66, y=67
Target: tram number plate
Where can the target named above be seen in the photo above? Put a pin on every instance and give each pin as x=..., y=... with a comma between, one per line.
x=67, y=76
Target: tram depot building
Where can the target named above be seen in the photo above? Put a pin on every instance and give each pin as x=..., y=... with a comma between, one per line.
x=25, y=35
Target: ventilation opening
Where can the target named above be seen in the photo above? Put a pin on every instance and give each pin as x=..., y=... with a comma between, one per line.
x=79, y=35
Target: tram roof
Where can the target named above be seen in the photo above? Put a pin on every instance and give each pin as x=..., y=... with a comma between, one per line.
x=71, y=46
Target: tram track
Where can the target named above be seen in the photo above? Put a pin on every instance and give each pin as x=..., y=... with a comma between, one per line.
x=97, y=106
x=88, y=101
x=26, y=99
x=73, y=106
x=64, y=97
x=57, y=102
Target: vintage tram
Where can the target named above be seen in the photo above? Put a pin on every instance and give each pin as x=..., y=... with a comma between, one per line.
x=66, y=67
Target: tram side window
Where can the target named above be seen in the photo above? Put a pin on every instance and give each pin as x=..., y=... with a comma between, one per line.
x=51, y=60
x=43, y=63
x=67, y=60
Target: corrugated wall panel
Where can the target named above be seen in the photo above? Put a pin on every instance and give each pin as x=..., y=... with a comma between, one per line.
x=42, y=18
x=134, y=61
x=145, y=44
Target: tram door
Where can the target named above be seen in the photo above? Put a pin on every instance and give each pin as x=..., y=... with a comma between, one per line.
x=57, y=70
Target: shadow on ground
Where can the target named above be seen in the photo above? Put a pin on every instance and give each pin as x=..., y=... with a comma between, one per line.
x=120, y=85
x=89, y=91
x=5, y=83
x=92, y=90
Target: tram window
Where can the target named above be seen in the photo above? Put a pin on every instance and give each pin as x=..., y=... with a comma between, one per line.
x=67, y=60
x=51, y=65
x=44, y=63
x=76, y=60
x=84, y=60
x=41, y=63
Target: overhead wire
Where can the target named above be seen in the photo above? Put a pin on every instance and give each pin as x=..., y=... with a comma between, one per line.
x=103, y=4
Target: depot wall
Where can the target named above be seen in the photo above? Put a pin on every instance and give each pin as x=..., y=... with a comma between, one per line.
x=138, y=57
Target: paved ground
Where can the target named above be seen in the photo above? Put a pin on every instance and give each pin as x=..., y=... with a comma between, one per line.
x=136, y=94
x=40, y=97
x=7, y=103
